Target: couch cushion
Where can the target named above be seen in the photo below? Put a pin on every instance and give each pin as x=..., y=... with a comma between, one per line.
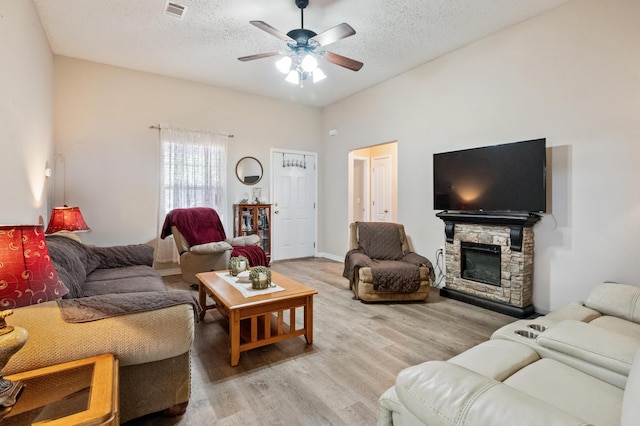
x=619, y=300
x=123, y=285
x=596, y=345
x=580, y=394
x=128, y=279
x=618, y=325
x=380, y=240
x=70, y=281
x=122, y=273
x=497, y=359
x=72, y=260
x=443, y=393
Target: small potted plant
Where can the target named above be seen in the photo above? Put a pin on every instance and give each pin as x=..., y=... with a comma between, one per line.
x=238, y=264
x=260, y=278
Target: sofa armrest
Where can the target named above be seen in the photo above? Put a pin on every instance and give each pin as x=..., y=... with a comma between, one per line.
x=211, y=248
x=442, y=393
x=246, y=240
x=134, y=339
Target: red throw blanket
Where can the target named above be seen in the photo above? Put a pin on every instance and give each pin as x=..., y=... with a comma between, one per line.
x=202, y=225
x=198, y=225
x=254, y=254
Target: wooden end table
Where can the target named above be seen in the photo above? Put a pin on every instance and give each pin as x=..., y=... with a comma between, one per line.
x=259, y=320
x=83, y=392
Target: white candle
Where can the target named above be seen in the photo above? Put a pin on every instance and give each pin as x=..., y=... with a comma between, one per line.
x=262, y=277
x=242, y=265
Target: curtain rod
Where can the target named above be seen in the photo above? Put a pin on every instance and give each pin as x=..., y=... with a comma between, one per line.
x=158, y=127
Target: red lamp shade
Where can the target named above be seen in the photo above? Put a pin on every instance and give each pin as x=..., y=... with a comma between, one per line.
x=66, y=219
x=27, y=275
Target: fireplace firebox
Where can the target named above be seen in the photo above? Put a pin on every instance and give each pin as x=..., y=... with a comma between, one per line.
x=480, y=262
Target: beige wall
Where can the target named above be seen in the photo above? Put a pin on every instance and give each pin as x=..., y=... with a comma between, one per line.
x=111, y=156
x=570, y=75
x=26, y=121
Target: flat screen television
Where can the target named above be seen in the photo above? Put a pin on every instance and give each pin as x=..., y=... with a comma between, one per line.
x=500, y=178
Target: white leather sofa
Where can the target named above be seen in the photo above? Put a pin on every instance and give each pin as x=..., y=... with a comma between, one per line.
x=578, y=365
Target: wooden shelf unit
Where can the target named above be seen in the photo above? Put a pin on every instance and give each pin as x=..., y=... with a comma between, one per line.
x=250, y=219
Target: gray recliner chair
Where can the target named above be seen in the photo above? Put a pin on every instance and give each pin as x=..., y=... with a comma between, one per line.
x=381, y=267
x=202, y=242
x=207, y=257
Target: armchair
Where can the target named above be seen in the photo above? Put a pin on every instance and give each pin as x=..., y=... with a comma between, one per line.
x=380, y=265
x=203, y=245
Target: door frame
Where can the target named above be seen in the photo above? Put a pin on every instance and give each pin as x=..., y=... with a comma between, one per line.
x=366, y=186
x=274, y=230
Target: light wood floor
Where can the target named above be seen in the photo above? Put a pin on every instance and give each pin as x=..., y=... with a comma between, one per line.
x=357, y=352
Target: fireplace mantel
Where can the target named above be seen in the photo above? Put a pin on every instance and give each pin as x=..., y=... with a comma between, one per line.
x=516, y=221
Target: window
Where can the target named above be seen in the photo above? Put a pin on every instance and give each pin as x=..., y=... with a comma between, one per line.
x=193, y=173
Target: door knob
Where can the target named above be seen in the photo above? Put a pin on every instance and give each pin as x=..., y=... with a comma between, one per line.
x=276, y=212
x=386, y=211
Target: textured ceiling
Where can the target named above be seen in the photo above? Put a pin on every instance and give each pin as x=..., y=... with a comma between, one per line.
x=391, y=37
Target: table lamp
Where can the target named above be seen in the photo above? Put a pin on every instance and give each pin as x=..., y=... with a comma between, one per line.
x=27, y=277
x=66, y=219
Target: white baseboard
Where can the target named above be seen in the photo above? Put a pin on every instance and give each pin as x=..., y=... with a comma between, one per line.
x=337, y=258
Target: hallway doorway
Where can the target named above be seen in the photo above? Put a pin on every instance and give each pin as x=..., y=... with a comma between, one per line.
x=373, y=194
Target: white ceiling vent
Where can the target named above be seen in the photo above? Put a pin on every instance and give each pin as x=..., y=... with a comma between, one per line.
x=174, y=9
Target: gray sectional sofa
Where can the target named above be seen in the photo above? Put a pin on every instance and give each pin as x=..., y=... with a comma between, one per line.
x=117, y=303
x=577, y=365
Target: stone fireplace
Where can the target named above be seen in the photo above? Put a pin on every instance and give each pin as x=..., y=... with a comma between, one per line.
x=489, y=260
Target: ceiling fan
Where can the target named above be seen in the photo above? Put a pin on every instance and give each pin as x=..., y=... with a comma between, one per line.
x=299, y=62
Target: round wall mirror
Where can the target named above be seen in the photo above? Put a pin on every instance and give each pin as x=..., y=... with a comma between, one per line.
x=249, y=170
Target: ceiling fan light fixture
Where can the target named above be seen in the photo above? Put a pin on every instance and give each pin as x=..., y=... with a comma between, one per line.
x=305, y=48
x=309, y=63
x=318, y=75
x=284, y=65
x=293, y=77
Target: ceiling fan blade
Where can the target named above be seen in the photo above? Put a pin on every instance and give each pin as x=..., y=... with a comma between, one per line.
x=334, y=34
x=268, y=28
x=257, y=56
x=343, y=61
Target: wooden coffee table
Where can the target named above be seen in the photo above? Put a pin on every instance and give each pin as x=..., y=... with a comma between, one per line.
x=258, y=320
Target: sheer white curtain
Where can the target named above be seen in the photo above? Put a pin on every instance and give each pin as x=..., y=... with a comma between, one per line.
x=193, y=173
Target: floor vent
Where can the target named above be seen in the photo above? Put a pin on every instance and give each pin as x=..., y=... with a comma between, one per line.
x=174, y=9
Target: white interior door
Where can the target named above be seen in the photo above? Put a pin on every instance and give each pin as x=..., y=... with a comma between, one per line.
x=294, y=204
x=381, y=201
